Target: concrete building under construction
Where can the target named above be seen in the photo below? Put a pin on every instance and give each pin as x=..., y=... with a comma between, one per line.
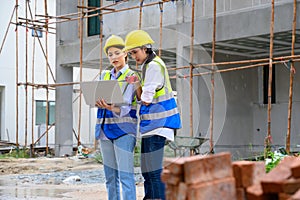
x=232, y=64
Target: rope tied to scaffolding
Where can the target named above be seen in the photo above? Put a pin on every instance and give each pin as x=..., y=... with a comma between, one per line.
x=289, y=66
x=161, y=6
x=141, y=3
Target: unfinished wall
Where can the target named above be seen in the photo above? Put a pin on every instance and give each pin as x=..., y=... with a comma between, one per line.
x=238, y=114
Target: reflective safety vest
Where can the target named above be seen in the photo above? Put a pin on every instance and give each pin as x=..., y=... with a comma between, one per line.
x=112, y=125
x=163, y=111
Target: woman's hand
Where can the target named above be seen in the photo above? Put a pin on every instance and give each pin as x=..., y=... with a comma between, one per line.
x=101, y=103
x=145, y=103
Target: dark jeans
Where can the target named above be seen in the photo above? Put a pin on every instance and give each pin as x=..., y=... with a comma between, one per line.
x=152, y=152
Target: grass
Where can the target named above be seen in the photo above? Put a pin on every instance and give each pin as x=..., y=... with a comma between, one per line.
x=16, y=153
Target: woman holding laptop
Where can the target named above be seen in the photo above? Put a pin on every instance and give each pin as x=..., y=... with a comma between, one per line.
x=117, y=125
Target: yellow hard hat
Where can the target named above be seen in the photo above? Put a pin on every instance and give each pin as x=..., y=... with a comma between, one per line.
x=113, y=41
x=137, y=38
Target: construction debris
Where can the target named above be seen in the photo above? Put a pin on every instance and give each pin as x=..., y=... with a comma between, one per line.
x=216, y=177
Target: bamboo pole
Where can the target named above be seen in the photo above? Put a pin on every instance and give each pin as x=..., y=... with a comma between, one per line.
x=17, y=76
x=41, y=136
x=271, y=59
x=185, y=76
x=237, y=68
x=33, y=23
x=141, y=14
x=212, y=79
x=26, y=75
x=101, y=39
x=34, y=28
x=42, y=48
x=80, y=93
x=101, y=53
x=281, y=58
x=78, y=13
x=191, y=69
x=288, y=135
x=109, y=12
x=161, y=8
x=32, y=88
x=47, y=68
x=268, y=138
x=47, y=78
x=5, y=35
x=78, y=18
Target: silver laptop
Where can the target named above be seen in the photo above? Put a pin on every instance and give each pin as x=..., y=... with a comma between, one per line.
x=108, y=90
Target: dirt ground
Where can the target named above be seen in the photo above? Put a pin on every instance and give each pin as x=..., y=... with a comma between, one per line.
x=13, y=185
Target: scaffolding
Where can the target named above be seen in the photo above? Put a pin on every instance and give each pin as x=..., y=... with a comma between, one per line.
x=44, y=24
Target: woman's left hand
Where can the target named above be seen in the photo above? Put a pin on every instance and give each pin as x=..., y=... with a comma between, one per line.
x=103, y=104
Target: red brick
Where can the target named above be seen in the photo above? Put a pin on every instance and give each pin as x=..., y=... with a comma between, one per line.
x=296, y=196
x=272, y=182
x=284, y=196
x=182, y=191
x=240, y=194
x=247, y=173
x=171, y=192
x=213, y=190
x=174, y=165
x=295, y=168
x=198, y=169
x=169, y=178
x=255, y=192
x=291, y=186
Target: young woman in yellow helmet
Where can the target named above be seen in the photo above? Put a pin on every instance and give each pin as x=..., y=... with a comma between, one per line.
x=159, y=116
x=116, y=126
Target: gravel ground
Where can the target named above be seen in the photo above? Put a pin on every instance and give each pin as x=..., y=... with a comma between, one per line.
x=55, y=178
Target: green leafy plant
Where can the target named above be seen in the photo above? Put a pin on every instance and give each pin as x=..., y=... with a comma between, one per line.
x=98, y=157
x=16, y=153
x=273, y=159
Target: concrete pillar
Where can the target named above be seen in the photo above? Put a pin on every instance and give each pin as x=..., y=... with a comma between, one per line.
x=64, y=112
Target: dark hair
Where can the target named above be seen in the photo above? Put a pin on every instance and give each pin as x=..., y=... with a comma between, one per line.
x=149, y=51
x=116, y=46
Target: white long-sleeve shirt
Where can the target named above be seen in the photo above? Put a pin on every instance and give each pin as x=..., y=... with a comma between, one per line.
x=154, y=79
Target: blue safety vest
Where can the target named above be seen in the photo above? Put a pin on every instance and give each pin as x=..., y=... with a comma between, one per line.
x=112, y=125
x=163, y=111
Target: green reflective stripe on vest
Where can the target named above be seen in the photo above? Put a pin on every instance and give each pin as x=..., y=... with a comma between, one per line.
x=161, y=115
x=162, y=98
x=122, y=81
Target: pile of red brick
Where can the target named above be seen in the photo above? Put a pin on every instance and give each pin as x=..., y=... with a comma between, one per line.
x=216, y=177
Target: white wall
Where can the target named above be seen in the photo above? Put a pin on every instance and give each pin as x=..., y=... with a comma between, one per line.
x=8, y=69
